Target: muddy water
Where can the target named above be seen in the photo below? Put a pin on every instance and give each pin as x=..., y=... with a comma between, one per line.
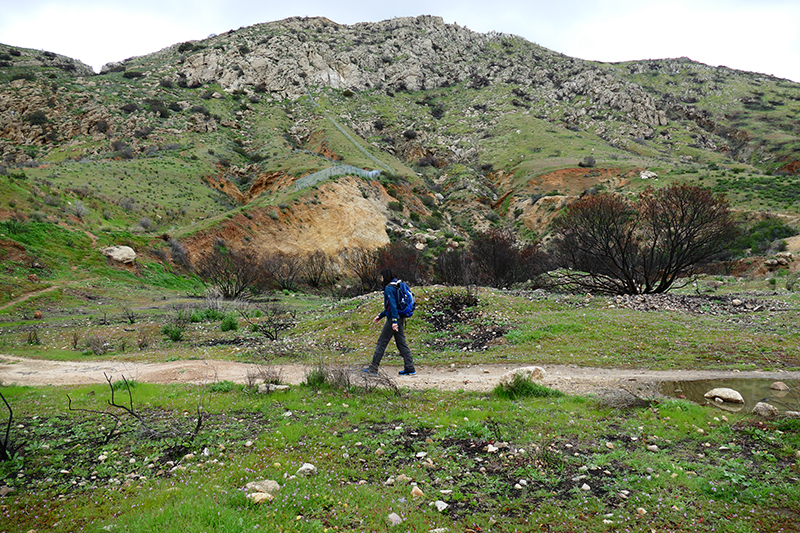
x=753, y=390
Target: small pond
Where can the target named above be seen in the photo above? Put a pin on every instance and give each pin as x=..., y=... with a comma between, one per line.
x=753, y=390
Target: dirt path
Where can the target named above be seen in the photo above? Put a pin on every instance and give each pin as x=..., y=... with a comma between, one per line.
x=28, y=295
x=569, y=379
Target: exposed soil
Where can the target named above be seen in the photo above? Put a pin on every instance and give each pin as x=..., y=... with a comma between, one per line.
x=566, y=378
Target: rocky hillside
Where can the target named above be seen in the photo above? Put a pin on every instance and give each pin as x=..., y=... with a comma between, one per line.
x=226, y=136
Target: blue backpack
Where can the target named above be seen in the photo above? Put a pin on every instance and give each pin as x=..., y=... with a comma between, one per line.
x=405, y=299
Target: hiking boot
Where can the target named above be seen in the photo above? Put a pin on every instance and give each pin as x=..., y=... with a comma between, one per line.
x=407, y=372
x=369, y=370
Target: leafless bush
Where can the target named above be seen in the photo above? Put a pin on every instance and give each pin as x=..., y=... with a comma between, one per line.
x=143, y=339
x=365, y=265
x=318, y=269
x=6, y=450
x=274, y=319
x=76, y=340
x=97, y=344
x=179, y=255
x=151, y=429
x=79, y=210
x=146, y=224
x=127, y=203
x=129, y=315
x=232, y=271
x=283, y=269
x=263, y=374
x=348, y=378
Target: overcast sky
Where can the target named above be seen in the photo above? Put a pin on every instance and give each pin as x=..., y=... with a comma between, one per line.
x=754, y=35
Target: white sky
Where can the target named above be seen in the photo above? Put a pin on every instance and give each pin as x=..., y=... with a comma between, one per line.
x=755, y=35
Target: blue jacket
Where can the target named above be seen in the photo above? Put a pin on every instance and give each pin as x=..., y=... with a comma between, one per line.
x=391, y=295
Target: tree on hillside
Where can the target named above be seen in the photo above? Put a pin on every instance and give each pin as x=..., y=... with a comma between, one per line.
x=618, y=246
x=231, y=270
x=365, y=265
x=502, y=261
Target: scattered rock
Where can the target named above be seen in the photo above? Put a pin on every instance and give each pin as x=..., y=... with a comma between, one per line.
x=765, y=410
x=5, y=490
x=266, y=388
x=260, y=497
x=416, y=492
x=652, y=448
x=394, y=520
x=648, y=175
x=779, y=386
x=37, y=315
x=440, y=505
x=725, y=394
x=792, y=414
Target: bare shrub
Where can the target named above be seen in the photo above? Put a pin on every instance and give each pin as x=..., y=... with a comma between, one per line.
x=365, y=265
x=270, y=320
x=79, y=210
x=179, y=255
x=97, y=344
x=318, y=269
x=282, y=269
x=404, y=260
x=263, y=374
x=503, y=261
x=348, y=378
x=232, y=271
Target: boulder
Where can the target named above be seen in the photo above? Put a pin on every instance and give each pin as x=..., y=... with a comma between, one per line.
x=120, y=254
x=529, y=373
x=779, y=386
x=765, y=410
x=725, y=394
x=265, y=485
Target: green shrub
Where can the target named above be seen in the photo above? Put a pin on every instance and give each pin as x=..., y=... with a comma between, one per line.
x=792, y=282
x=222, y=386
x=229, y=323
x=173, y=332
x=520, y=387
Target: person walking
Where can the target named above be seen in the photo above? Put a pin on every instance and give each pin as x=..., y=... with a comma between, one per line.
x=393, y=327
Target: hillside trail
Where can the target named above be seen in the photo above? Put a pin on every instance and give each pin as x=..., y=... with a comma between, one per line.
x=569, y=379
x=28, y=295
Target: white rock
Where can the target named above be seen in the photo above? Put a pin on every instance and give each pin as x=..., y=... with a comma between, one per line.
x=441, y=506
x=652, y=448
x=530, y=373
x=121, y=254
x=725, y=394
x=260, y=497
x=307, y=470
x=585, y=487
x=394, y=519
x=265, y=485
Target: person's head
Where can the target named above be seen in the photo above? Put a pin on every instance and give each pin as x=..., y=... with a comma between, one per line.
x=387, y=276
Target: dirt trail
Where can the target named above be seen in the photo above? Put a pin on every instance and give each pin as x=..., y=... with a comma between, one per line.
x=567, y=378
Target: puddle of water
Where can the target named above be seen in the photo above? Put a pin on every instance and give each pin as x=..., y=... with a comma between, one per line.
x=753, y=390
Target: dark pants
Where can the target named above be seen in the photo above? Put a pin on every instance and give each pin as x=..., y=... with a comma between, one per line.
x=399, y=338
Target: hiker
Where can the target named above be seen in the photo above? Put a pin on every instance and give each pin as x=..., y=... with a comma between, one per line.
x=393, y=327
